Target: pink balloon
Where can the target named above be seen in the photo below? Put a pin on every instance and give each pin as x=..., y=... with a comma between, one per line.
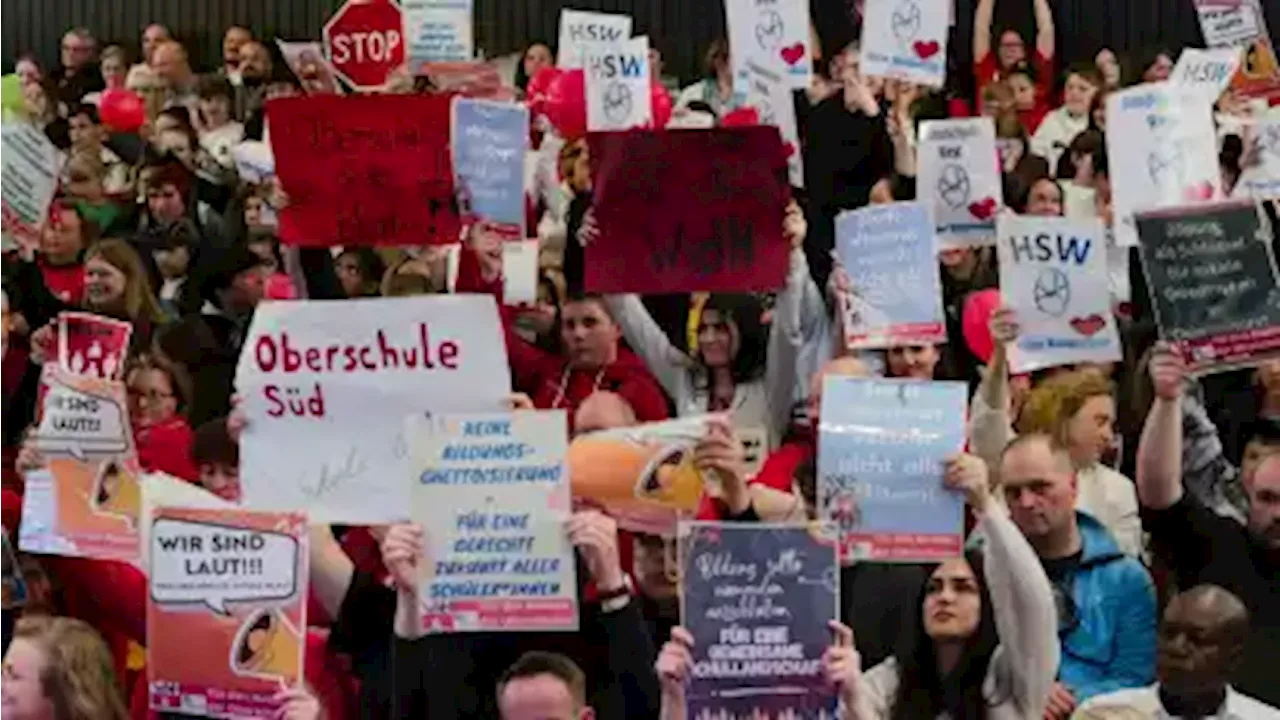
x=660, y=103
x=566, y=104
x=536, y=91
x=122, y=110
x=975, y=322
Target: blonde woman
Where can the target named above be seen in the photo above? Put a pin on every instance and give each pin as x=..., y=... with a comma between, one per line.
x=59, y=668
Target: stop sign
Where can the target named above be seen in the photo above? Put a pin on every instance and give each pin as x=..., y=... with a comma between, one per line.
x=364, y=41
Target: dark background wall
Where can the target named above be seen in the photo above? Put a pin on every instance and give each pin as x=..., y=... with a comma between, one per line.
x=681, y=29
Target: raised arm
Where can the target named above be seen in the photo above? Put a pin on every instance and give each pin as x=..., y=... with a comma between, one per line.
x=331, y=569
x=786, y=335
x=648, y=341
x=1159, y=471
x=1045, y=43
x=983, y=16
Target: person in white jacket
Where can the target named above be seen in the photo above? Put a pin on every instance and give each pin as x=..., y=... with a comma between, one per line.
x=1060, y=127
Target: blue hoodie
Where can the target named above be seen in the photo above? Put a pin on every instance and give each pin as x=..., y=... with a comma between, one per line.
x=1113, y=646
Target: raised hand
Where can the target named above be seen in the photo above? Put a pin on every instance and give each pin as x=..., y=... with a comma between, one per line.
x=1168, y=372
x=1004, y=326
x=596, y=537
x=720, y=453
x=842, y=665
x=968, y=474
x=296, y=704
x=675, y=661
x=403, y=552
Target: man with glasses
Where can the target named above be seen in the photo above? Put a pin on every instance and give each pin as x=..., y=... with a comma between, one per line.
x=1106, y=600
x=79, y=73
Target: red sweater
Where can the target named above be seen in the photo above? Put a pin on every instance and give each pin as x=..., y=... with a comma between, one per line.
x=166, y=448
x=65, y=282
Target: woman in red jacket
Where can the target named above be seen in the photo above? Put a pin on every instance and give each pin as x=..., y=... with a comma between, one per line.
x=158, y=392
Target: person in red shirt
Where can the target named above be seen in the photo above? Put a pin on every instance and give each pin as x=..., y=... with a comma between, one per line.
x=158, y=393
x=989, y=66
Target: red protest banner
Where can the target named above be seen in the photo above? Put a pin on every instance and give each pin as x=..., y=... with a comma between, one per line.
x=688, y=211
x=365, y=170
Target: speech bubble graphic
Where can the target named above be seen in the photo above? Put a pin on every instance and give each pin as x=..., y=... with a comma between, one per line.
x=79, y=423
x=213, y=565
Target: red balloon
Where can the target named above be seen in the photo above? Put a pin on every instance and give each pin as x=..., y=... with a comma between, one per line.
x=122, y=110
x=975, y=322
x=536, y=91
x=742, y=117
x=566, y=104
x=660, y=104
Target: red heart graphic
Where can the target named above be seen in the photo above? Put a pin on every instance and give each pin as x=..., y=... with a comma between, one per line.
x=983, y=209
x=789, y=149
x=1203, y=191
x=792, y=54
x=1088, y=326
x=926, y=50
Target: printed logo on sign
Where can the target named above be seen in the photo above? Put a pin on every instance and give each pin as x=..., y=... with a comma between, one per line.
x=769, y=30
x=617, y=102
x=1052, y=292
x=906, y=22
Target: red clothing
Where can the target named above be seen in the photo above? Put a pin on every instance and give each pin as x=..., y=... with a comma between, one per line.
x=777, y=473
x=166, y=448
x=987, y=70
x=1031, y=119
x=65, y=282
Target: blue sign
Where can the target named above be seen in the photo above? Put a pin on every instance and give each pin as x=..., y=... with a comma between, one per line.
x=757, y=599
x=489, y=140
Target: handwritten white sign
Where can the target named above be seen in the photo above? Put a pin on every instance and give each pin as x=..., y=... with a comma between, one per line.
x=770, y=95
x=906, y=39
x=1261, y=180
x=960, y=179
x=617, y=85
x=327, y=387
x=1206, y=73
x=581, y=30
x=30, y=166
x=437, y=30
x=773, y=34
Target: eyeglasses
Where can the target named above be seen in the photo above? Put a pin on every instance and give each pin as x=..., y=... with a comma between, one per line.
x=151, y=396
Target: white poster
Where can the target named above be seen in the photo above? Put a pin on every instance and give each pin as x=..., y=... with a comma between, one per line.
x=1053, y=275
x=617, y=85
x=1261, y=179
x=960, y=179
x=580, y=30
x=30, y=166
x=773, y=34
x=1163, y=153
x=494, y=491
x=1231, y=23
x=770, y=95
x=327, y=386
x=306, y=60
x=1206, y=73
x=907, y=40
x=437, y=31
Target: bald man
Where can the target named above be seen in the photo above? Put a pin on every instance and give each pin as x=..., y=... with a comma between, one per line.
x=173, y=70
x=603, y=410
x=1202, y=639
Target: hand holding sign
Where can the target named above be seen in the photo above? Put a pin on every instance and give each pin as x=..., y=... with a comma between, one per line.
x=1168, y=372
x=404, y=554
x=968, y=474
x=842, y=665
x=674, y=664
x=596, y=537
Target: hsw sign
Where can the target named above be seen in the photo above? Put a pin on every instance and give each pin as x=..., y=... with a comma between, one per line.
x=365, y=43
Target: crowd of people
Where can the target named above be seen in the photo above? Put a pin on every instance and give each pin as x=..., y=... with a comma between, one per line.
x=1125, y=517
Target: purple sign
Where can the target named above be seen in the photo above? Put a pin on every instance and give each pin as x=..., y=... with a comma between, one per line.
x=757, y=599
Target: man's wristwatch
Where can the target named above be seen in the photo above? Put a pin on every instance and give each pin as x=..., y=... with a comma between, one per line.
x=615, y=599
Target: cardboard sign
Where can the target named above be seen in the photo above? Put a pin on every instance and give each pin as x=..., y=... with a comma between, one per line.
x=495, y=490
x=891, y=256
x=722, y=195
x=93, y=345
x=489, y=140
x=881, y=449
x=438, y=30
x=617, y=85
x=1206, y=73
x=960, y=179
x=906, y=40
x=30, y=166
x=771, y=96
x=327, y=386
x=1164, y=153
x=757, y=599
x=365, y=170
x=307, y=61
x=1241, y=24
x=581, y=30
x=1213, y=283
x=1053, y=274
x=773, y=34
x=226, y=610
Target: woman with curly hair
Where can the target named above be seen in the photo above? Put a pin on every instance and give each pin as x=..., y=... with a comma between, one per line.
x=58, y=668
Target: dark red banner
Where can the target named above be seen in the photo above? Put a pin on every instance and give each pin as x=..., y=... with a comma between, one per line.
x=365, y=170
x=687, y=211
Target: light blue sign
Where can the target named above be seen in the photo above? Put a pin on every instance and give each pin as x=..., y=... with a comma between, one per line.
x=489, y=141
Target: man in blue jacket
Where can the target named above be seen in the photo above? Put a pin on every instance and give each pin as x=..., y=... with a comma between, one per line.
x=1106, y=601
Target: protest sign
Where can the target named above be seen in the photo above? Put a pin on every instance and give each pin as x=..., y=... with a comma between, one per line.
x=771, y=96
x=881, y=449
x=327, y=387
x=722, y=195
x=226, y=610
x=960, y=179
x=1261, y=180
x=773, y=34
x=254, y=162
x=306, y=60
x=30, y=166
x=906, y=40
x=581, y=30
x=1241, y=24
x=1164, y=153
x=757, y=599
x=83, y=509
x=1213, y=282
x=495, y=489
x=437, y=30
x=1206, y=73
x=468, y=79
x=489, y=140
x=1053, y=275
x=81, y=415
x=93, y=345
x=617, y=85
x=365, y=170
x=891, y=257
x=161, y=490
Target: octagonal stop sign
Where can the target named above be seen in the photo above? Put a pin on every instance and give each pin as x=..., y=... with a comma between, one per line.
x=365, y=42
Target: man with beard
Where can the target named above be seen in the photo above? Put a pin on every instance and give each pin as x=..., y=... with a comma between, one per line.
x=255, y=71
x=235, y=38
x=1201, y=546
x=1200, y=643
